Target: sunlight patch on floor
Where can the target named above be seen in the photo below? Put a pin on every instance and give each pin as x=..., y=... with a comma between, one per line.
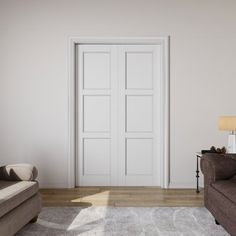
x=105, y=197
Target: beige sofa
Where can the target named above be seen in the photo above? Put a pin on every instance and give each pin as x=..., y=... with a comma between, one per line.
x=20, y=202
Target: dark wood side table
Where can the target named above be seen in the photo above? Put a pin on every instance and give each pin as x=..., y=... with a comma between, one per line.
x=199, y=156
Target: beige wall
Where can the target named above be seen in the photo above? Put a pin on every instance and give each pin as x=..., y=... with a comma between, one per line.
x=34, y=73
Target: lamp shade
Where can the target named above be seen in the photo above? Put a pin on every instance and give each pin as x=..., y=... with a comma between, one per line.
x=227, y=123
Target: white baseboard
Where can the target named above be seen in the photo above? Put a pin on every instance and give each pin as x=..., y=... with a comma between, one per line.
x=187, y=185
x=172, y=185
x=53, y=185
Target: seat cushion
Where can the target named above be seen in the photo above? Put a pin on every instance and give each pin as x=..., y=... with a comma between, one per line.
x=13, y=193
x=227, y=188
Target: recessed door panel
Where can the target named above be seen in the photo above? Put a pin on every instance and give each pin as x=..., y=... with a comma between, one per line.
x=96, y=70
x=96, y=113
x=139, y=116
x=139, y=156
x=139, y=70
x=97, y=154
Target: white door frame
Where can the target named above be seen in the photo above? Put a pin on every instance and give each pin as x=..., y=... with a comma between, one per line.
x=165, y=101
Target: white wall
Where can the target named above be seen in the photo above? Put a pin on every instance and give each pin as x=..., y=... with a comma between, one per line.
x=34, y=73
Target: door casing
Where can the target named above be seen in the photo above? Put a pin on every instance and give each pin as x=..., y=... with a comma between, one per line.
x=72, y=105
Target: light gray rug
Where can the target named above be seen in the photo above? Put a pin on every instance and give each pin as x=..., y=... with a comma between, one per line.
x=166, y=221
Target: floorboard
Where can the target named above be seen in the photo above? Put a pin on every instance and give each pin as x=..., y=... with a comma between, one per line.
x=122, y=197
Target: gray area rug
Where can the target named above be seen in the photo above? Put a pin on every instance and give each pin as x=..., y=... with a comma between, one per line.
x=173, y=221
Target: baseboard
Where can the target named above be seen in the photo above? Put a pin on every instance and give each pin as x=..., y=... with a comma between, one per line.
x=172, y=185
x=53, y=185
x=187, y=185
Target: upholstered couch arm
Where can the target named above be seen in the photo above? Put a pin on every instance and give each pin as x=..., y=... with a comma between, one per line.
x=218, y=167
x=18, y=172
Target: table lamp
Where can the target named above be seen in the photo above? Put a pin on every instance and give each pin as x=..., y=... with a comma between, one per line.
x=228, y=123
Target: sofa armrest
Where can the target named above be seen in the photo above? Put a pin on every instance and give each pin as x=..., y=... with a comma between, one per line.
x=18, y=172
x=218, y=167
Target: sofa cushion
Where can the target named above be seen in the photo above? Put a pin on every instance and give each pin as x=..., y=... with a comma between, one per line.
x=227, y=188
x=13, y=193
x=223, y=209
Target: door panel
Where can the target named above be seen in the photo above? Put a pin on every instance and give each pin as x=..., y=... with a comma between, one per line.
x=97, y=70
x=139, y=112
x=139, y=156
x=97, y=115
x=139, y=71
x=96, y=156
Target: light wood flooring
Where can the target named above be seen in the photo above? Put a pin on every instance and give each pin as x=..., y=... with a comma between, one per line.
x=122, y=196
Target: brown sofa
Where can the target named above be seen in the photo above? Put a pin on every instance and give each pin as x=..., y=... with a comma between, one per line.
x=20, y=202
x=220, y=188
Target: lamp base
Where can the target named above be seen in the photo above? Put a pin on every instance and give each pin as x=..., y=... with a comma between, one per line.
x=232, y=143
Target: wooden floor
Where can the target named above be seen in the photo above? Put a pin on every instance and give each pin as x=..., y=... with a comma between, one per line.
x=121, y=196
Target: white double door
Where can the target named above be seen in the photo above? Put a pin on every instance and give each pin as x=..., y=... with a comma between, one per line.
x=118, y=115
